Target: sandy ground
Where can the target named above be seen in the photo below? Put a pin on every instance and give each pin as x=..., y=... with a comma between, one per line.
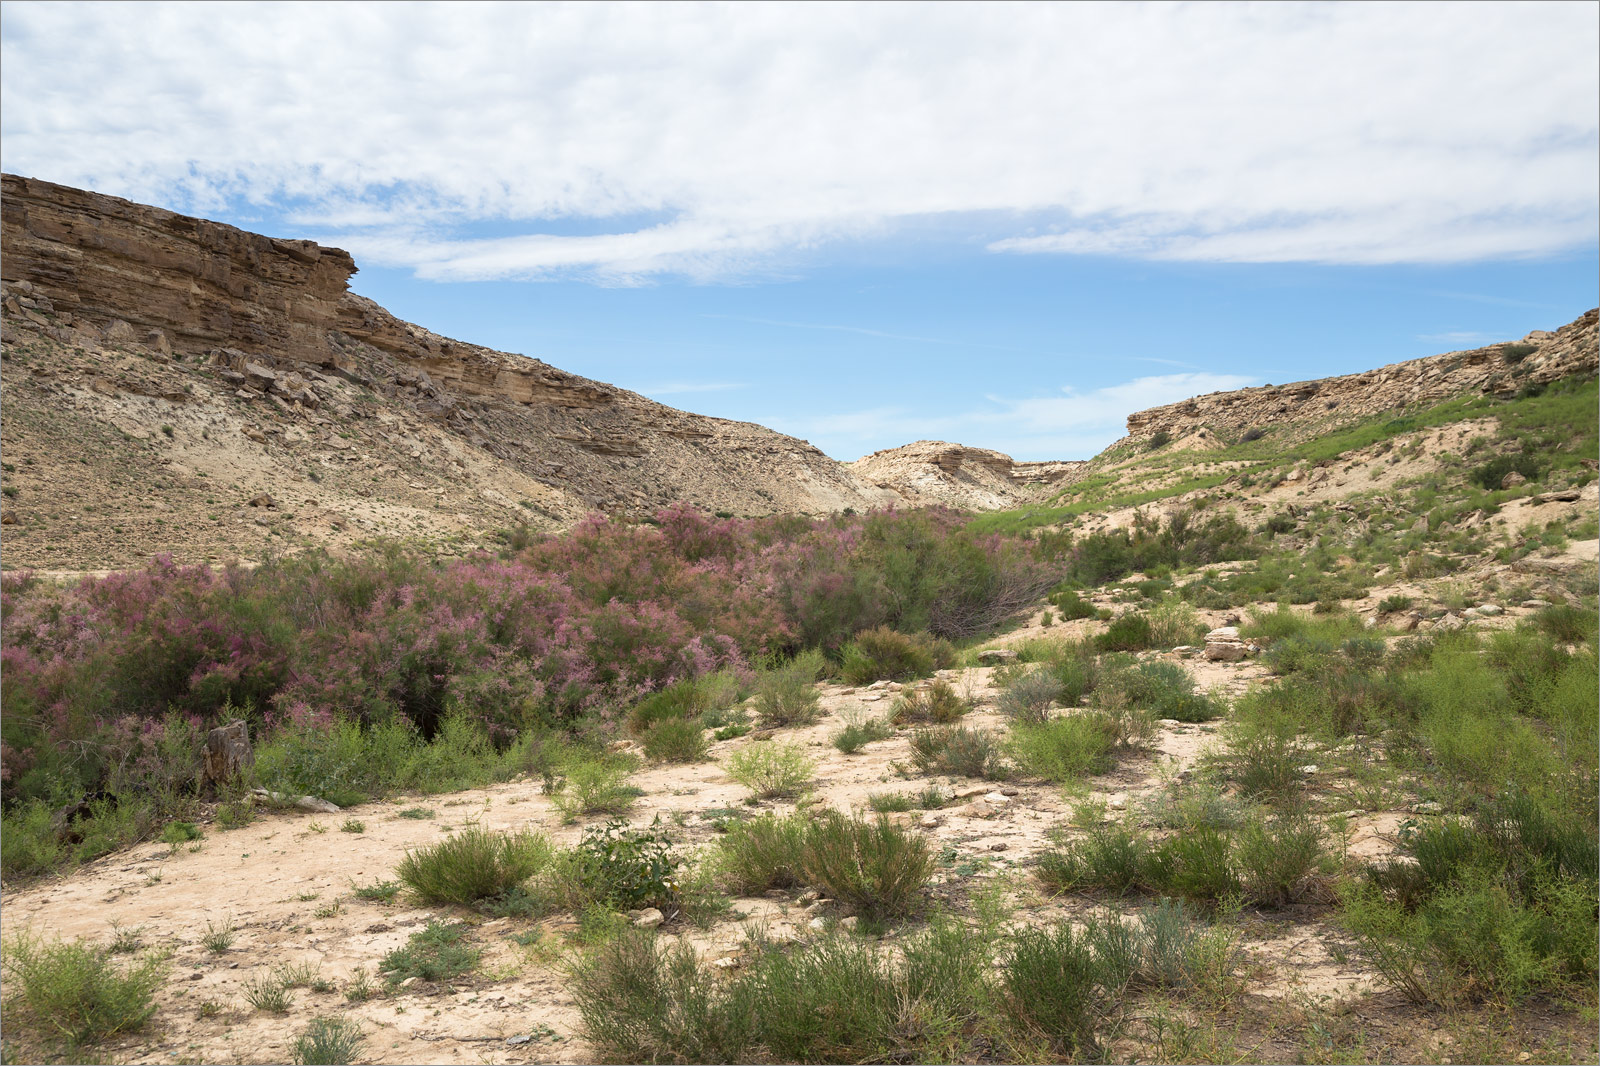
x=285, y=882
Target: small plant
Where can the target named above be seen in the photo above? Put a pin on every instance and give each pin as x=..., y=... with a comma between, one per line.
x=218, y=938
x=352, y=825
x=624, y=868
x=596, y=786
x=771, y=770
x=124, y=941
x=235, y=815
x=417, y=814
x=332, y=1041
x=473, y=864
x=762, y=853
x=677, y=740
x=268, y=993
x=891, y=802
x=359, y=988
x=1066, y=748
x=788, y=695
x=860, y=730
x=874, y=865
x=960, y=751
x=1029, y=696
x=1051, y=989
x=434, y=954
x=1130, y=632
x=882, y=654
x=1395, y=602
x=1072, y=606
x=1279, y=860
x=177, y=833
x=77, y=992
x=1159, y=439
x=937, y=702
x=380, y=891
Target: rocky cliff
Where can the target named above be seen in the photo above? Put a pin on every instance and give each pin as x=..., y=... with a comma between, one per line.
x=207, y=341
x=958, y=475
x=1305, y=408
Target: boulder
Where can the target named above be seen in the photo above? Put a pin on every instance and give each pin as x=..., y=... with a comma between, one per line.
x=1488, y=610
x=1226, y=651
x=997, y=656
x=1512, y=480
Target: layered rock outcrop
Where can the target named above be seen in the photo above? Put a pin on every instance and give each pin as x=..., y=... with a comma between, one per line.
x=1308, y=407
x=934, y=471
x=275, y=318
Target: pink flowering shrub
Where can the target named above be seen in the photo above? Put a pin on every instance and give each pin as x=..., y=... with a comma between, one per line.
x=571, y=626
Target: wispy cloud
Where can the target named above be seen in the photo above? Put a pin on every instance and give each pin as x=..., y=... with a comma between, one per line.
x=463, y=141
x=952, y=342
x=1066, y=425
x=1460, y=338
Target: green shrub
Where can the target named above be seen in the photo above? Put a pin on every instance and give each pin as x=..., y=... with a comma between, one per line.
x=436, y=953
x=1072, y=606
x=76, y=992
x=1395, y=602
x=677, y=740
x=787, y=696
x=859, y=731
x=882, y=654
x=1110, y=857
x=1263, y=760
x=1130, y=632
x=770, y=770
x=329, y=1041
x=1490, y=474
x=1052, y=989
x=623, y=868
x=689, y=698
x=1569, y=624
x=875, y=866
x=937, y=702
x=1197, y=866
x=1028, y=696
x=960, y=751
x=1165, y=689
x=1279, y=861
x=1066, y=748
x=641, y=1001
x=595, y=785
x=762, y=853
x=1174, y=622
x=473, y=864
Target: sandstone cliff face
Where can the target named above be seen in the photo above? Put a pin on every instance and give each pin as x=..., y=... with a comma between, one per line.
x=1309, y=407
x=275, y=322
x=933, y=471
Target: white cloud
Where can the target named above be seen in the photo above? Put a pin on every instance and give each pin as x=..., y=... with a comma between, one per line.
x=749, y=134
x=1070, y=425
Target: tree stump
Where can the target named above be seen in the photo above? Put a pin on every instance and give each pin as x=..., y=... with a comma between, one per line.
x=227, y=754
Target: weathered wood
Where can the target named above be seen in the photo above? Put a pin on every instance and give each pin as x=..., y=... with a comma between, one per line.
x=227, y=754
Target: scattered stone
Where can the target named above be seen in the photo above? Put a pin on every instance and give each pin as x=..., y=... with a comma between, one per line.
x=1450, y=623
x=263, y=500
x=997, y=656
x=1512, y=480
x=1226, y=651
x=999, y=799
x=1310, y=768
x=931, y=821
x=817, y=925
x=731, y=962
x=1534, y=605
x=849, y=924
x=8, y=519
x=999, y=845
x=1489, y=610
x=648, y=918
x=1427, y=807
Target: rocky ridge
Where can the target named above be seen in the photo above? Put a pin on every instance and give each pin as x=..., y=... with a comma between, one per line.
x=977, y=478
x=159, y=361
x=1307, y=408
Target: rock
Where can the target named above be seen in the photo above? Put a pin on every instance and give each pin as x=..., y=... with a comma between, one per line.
x=1226, y=652
x=849, y=924
x=1427, y=807
x=1534, y=605
x=1420, y=525
x=1223, y=633
x=1309, y=769
x=8, y=519
x=1450, y=623
x=1512, y=480
x=729, y=962
x=1470, y=614
x=648, y=918
x=253, y=434
x=1489, y=610
x=999, y=799
x=930, y=821
x=226, y=755
x=817, y=925
x=997, y=656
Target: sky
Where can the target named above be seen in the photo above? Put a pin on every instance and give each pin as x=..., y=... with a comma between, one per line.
x=867, y=224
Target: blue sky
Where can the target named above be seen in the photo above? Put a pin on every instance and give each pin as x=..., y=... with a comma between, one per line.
x=865, y=225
